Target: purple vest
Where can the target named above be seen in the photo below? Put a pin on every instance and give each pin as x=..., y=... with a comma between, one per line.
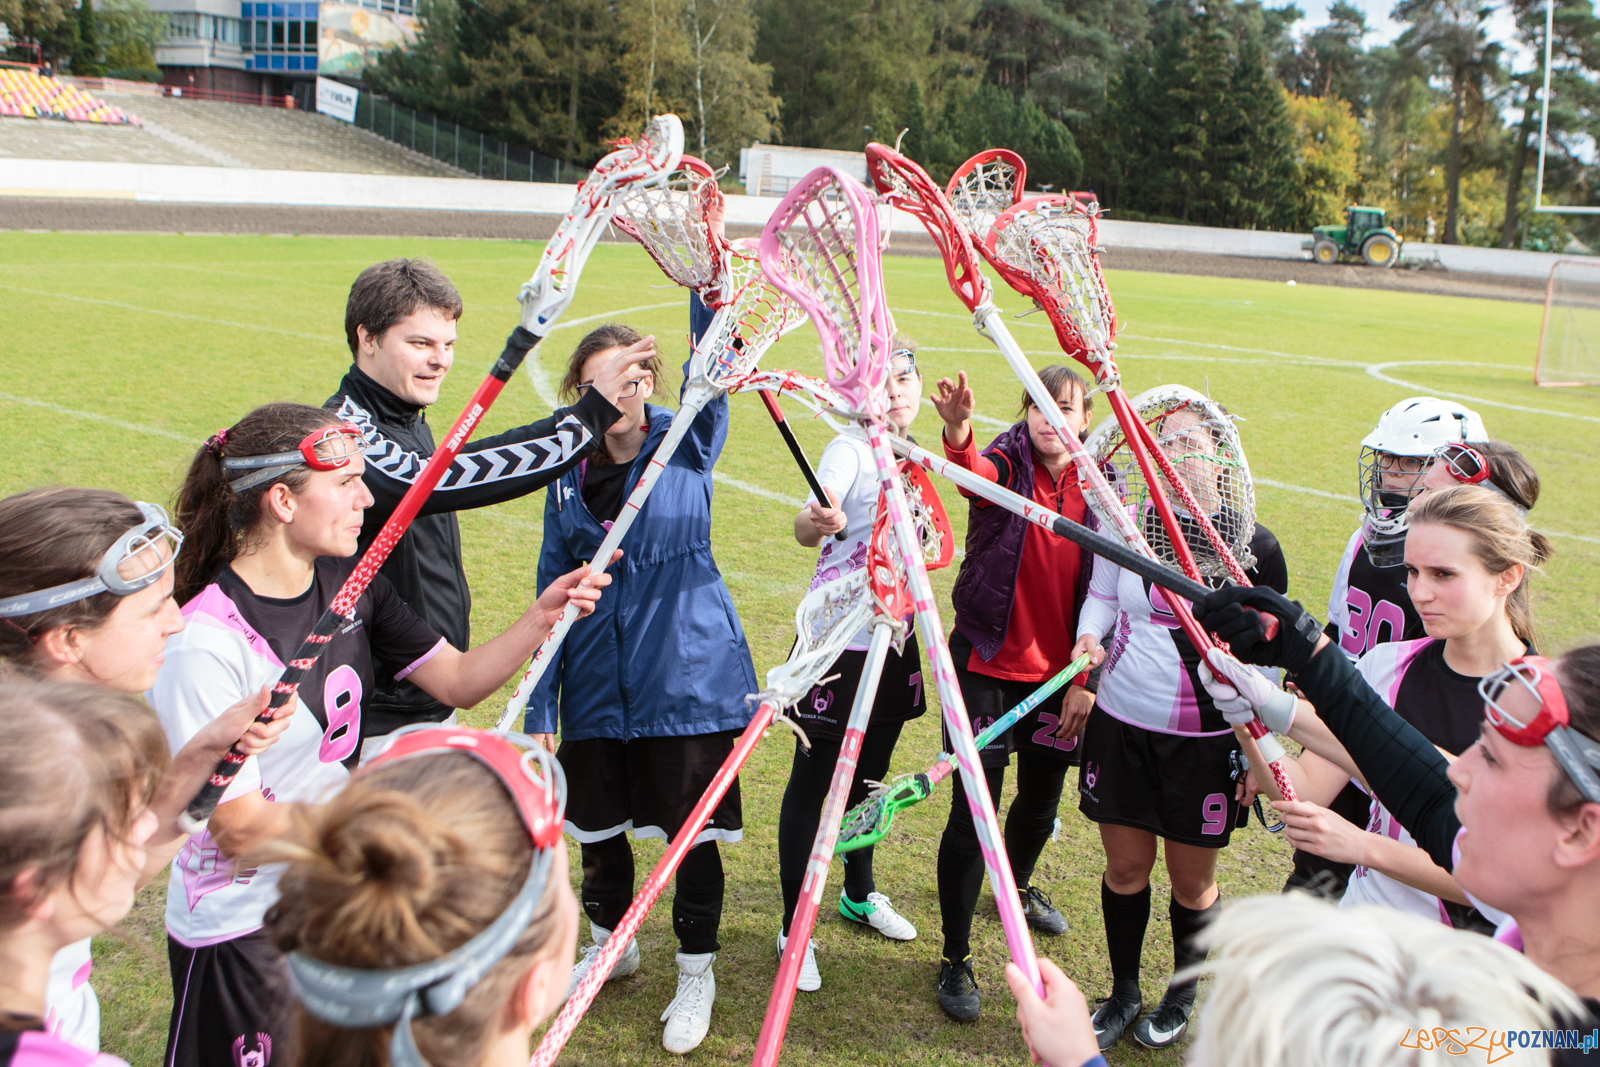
x=987, y=584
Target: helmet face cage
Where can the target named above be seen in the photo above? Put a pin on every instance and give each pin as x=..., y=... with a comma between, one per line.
x=1389, y=483
x=1395, y=456
x=1203, y=446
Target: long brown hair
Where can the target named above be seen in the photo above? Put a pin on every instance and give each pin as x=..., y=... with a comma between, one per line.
x=1501, y=538
x=214, y=519
x=1511, y=473
x=51, y=537
x=74, y=758
x=409, y=862
x=611, y=335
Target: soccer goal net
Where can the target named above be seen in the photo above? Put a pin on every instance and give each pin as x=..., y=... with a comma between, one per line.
x=1569, y=341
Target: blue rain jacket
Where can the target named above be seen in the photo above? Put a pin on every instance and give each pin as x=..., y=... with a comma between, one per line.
x=664, y=654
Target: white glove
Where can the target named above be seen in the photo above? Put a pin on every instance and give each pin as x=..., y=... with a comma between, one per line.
x=1241, y=693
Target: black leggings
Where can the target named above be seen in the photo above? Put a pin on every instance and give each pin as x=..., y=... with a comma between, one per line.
x=809, y=779
x=1029, y=824
x=696, y=906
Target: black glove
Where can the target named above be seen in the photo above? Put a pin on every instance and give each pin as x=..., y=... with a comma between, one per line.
x=1234, y=613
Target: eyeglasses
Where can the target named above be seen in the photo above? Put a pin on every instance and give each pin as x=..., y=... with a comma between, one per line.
x=326, y=449
x=630, y=389
x=1577, y=754
x=1465, y=463
x=135, y=561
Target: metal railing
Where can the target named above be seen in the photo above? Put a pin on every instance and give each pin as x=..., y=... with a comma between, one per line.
x=470, y=150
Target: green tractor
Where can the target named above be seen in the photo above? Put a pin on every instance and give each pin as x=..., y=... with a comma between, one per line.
x=1363, y=234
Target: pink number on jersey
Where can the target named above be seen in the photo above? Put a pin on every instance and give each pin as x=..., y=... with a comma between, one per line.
x=341, y=704
x=1358, y=605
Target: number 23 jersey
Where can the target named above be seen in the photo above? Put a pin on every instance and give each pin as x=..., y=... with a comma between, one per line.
x=232, y=643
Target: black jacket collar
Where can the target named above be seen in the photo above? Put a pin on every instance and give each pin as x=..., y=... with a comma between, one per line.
x=380, y=403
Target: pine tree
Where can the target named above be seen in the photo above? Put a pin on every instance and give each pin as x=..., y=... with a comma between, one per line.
x=1263, y=180
x=86, y=55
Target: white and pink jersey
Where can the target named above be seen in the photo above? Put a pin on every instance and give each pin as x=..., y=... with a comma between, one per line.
x=233, y=643
x=72, y=1011
x=39, y=1048
x=1150, y=676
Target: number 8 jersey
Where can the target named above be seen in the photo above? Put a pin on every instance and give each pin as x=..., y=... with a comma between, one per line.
x=232, y=643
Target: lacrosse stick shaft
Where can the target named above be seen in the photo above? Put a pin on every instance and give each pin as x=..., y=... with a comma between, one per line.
x=572, y=1013
x=990, y=842
x=799, y=454
x=805, y=914
x=1031, y=701
x=1159, y=574
x=695, y=398
x=205, y=802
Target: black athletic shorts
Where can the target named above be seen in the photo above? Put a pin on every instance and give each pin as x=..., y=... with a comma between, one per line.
x=648, y=785
x=987, y=699
x=1175, y=786
x=823, y=712
x=231, y=1004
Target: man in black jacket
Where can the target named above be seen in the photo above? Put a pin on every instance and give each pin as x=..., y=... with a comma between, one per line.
x=401, y=325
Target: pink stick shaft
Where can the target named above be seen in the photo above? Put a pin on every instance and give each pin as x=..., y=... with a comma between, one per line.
x=560, y=1030
x=965, y=751
x=776, y=1022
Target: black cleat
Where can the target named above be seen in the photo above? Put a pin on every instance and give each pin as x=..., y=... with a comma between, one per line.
x=958, y=990
x=1164, y=1026
x=1112, y=1016
x=1042, y=915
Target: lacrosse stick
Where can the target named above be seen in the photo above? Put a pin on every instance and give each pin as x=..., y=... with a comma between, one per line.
x=799, y=454
x=753, y=317
x=827, y=618
x=1045, y=248
x=866, y=824
x=821, y=247
x=544, y=297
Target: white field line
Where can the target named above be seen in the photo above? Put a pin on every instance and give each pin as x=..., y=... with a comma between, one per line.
x=153, y=431
x=1377, y=369
x=340, y=341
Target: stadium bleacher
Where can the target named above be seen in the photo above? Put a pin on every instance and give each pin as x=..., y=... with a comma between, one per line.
x=27, y=94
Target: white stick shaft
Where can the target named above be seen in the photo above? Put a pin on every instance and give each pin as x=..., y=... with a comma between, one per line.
x=695, y=398
x=990, y=841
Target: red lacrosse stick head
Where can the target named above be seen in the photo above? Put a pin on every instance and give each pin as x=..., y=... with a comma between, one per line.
x=984, y=186
x=905, y=185
x=1045, y=248
x=886, y=572
x=927, y=512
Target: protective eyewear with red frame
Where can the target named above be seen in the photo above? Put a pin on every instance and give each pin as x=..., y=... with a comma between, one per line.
x=526, y=768
x=338, y=445
x=1466, y=464
x=1578, y=755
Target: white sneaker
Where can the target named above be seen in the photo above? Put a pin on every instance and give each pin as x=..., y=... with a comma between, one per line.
x=810, y=977
x=626, y=963
x=879, y=914
x=688, y=1017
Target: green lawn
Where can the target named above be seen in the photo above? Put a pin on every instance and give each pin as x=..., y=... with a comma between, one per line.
x=126, y=351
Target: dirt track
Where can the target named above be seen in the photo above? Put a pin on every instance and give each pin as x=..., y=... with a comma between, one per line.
x=124, y=216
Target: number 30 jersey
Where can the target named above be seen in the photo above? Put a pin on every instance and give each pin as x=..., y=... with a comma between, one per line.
x=1369, y=605
x=1150, y=677
x=232, y=643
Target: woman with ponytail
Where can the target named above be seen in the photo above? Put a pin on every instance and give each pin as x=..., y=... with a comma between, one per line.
x=86, y=596
x=270, y=513
x=435, y=840
x=1468, y=556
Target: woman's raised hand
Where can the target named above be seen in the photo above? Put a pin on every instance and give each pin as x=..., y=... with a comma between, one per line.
x=954, y=403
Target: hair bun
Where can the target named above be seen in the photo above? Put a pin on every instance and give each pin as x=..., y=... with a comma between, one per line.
x=389, y=855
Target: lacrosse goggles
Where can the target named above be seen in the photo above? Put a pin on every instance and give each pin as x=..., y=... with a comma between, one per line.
x=354, y=998
x=135, y=561
x=326, y=449
x=1469, y=466
x=1577, y=754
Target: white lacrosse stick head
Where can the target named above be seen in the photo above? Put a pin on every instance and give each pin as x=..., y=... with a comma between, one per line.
x=1045, y=248
x=1201, y=441
x=821, y=249
x=754, y=317
x=671, y=219
x=546, y=295
x=827, y=618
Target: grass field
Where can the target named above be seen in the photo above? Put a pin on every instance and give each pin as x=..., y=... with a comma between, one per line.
x=126, y=351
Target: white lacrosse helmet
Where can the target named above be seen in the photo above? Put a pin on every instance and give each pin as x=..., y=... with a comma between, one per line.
x=1396, y=454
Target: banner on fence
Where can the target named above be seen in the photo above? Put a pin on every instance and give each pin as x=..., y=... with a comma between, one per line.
x=350, y=37
x=337, y=99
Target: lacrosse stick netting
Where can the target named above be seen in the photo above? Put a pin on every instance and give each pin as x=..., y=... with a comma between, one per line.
x=1201, y=443
x=984, y=186
x=672, y=220
x=740, y=333
x=543, y=298
x=827, y=618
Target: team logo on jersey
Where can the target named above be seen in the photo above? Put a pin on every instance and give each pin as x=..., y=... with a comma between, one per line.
x=1091, y=778
x=821, y=700
x=259, y=1056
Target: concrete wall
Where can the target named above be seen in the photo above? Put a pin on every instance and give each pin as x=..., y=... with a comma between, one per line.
x=217, y=185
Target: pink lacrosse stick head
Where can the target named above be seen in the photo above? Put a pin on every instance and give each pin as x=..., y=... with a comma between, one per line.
x=821, y=248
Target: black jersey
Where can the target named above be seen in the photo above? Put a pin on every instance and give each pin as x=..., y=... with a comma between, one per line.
x=1369, y=605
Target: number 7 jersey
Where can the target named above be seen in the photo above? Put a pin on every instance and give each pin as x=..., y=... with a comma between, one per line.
x=1150, y=677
